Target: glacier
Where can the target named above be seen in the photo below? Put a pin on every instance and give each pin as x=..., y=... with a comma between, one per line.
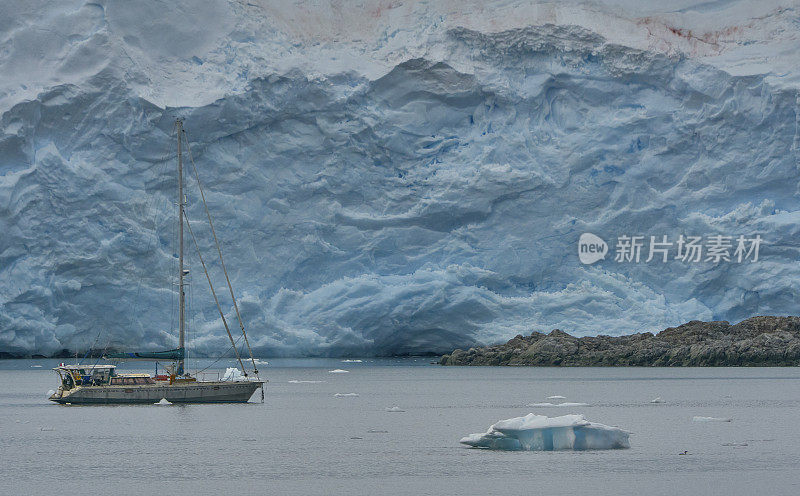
x=392, y=178
x=541, y=433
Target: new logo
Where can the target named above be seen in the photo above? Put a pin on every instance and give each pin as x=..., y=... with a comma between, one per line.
x=591, y=248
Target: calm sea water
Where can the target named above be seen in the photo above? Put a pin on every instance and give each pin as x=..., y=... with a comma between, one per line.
x=304, y=440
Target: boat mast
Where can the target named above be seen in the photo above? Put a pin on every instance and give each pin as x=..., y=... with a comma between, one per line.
x=182, y=300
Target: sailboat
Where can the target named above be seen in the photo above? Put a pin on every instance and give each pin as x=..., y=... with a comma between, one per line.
x=102, y=384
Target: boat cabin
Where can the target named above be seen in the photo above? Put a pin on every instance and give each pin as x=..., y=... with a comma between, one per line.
x=132, y=380
x=98, y=375
x=85, y=375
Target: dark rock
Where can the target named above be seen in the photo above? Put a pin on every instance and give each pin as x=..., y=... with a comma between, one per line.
x=757, y=341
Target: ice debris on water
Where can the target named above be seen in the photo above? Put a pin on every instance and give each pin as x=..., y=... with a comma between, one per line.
x=541, y=433
x=394, y=409
x=711, y=419
x=338, y=371
x=346, y=395
x=164, y=401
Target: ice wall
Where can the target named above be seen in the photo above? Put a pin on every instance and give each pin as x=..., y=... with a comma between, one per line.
x=398, y=178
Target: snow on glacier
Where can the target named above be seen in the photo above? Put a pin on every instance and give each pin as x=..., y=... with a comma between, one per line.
x=397, y=183
x=541, y=433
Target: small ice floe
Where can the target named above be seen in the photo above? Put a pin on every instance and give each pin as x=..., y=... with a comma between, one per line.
x=711, y=419
x=394, y=409
x=232, y=374
x=163, y=401
x=352, y=361
x=36, y=366
x=541, y=433
x=46, y=429
x=547, y=405
x=556, y=397
x=657, y=400
x=50, y=393
x=338, y=371
x=346, y=395
x=295, y=381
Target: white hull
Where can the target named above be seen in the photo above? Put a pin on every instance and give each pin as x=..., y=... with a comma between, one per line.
x=187, y=392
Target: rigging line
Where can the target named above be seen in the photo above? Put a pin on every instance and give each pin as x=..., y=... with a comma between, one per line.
x=218, y=358
x=148, y=205
x=97, y=338
x=214, y=293
x=219, y=251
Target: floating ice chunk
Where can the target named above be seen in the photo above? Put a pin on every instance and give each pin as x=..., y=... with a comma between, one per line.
x=295, y=381
x=657, y=400
x=338, y=371
x=233, y=374
x=711, y=419
x=164, y=401
x=556, y=397
x=346, y=395
x=36, y=366
x=352, y=361
x=541, y=433
x=394, y=409
x=547, y=404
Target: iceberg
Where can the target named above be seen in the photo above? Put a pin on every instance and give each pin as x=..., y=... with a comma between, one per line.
x=541, y=433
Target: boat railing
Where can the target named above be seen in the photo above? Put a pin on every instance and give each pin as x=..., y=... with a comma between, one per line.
x=209, y=376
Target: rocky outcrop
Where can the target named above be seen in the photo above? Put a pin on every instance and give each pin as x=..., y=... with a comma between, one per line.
x=757, y=341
